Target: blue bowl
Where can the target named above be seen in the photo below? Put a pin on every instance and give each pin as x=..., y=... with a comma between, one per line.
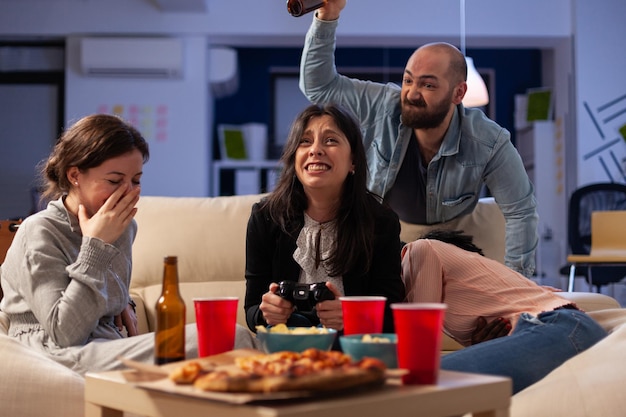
x=276, y=342
x=354, y=346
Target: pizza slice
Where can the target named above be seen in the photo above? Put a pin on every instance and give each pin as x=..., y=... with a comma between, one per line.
x=311, y=370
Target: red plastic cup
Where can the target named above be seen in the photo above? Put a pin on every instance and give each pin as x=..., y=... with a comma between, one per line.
x=363, y=314
x=419, y=328
x=216, y=320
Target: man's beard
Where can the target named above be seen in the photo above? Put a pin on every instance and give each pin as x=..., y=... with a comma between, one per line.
x=417, y=116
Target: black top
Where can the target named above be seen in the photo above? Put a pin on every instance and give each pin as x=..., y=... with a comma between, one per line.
x=269, y=258
x=407, y=196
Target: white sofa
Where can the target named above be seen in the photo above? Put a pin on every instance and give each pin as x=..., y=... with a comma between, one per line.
x=208, y=236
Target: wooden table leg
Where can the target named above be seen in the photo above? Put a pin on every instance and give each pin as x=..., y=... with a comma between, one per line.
x=492, y=413
x=93, y=410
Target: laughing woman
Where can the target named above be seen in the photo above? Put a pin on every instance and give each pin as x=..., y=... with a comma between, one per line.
x=67, y=273
x=321, y=225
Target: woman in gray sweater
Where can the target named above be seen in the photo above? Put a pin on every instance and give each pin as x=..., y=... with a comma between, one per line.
x=67, y=273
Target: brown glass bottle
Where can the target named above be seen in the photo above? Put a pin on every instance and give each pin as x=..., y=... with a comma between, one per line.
x=300, y=7
x=169, y=338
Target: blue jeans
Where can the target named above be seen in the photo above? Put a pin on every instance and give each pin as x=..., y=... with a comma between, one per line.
x=536, y=347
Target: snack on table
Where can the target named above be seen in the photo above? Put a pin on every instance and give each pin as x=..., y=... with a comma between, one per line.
x=311, y=370
x=376, y=345
x=186, y=374
x=367, y=338
x=283, y=329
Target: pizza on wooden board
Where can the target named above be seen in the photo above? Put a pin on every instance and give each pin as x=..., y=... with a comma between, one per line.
x=311, y=370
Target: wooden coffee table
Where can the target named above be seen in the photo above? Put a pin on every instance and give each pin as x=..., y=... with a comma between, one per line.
x=110, y=394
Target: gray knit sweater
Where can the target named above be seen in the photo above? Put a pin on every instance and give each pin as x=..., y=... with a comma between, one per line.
x=60, y=282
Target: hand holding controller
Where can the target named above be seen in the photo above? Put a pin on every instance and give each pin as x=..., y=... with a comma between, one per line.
x=304, y=296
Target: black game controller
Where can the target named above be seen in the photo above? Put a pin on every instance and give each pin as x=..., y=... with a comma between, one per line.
x=304, y=296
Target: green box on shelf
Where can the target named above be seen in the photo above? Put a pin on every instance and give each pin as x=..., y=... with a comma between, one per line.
x=539, y=104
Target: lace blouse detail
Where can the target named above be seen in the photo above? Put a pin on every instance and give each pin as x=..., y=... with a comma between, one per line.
x=315, y=244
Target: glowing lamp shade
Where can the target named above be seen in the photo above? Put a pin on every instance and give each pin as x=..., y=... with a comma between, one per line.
x=476, y=95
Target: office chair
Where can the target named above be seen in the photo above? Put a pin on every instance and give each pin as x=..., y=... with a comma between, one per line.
x=608, y=244
x=584, y=201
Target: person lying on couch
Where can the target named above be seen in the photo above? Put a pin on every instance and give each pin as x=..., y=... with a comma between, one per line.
x=321, y=225
x=66, y=275
x=547, y=330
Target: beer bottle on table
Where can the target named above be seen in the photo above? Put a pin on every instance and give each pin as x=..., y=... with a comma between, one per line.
x=169, y=338
x=301, y=7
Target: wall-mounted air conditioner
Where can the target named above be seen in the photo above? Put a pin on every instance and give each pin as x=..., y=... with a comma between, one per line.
x=132, y=57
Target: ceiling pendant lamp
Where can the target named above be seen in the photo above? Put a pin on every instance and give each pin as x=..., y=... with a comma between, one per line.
x=476, y=95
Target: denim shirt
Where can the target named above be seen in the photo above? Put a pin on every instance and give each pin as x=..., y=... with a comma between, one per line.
x=474, y=151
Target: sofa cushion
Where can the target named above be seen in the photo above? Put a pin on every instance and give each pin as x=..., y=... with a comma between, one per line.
x=485, y=224
x=591, y=301
x=207, y=235
x=590, y=384
x=146, y=319
x=31, y=385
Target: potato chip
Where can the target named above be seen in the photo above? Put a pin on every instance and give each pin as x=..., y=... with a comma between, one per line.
x=279, y=328
x=374, y=339
x=282, y=328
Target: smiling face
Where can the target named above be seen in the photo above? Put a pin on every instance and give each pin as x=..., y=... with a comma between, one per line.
x=323, y=159
x=94, y=186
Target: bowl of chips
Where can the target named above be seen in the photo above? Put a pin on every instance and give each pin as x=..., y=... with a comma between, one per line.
x=295, y=339
x=381, y=346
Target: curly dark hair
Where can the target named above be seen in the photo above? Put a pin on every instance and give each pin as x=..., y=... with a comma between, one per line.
x=454, y=237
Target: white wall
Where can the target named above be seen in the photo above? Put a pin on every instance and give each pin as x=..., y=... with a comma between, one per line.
x=365, y=22
x=600, y=91
x=552, y=25
x=172, y=114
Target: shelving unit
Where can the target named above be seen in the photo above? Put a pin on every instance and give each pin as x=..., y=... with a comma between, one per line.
x=541, y=147
x=250, y=176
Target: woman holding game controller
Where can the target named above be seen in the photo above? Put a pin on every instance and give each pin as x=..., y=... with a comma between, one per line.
x=320, y=227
